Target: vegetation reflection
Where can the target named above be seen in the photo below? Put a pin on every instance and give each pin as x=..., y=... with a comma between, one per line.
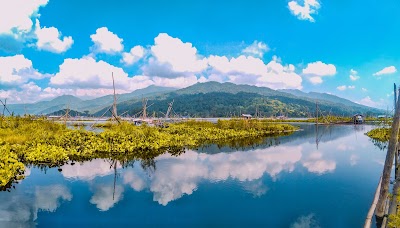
x=27, y=141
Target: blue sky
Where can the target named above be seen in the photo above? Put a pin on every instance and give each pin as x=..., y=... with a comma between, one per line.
x=54, y=47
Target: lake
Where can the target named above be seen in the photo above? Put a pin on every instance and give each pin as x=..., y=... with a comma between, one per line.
x=301, y=180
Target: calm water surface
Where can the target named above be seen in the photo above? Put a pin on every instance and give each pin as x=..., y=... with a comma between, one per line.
x=286, y=182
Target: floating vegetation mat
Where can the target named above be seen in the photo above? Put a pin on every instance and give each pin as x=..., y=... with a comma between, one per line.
x=31, y=141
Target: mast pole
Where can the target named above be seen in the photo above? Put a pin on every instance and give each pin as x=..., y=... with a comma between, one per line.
x=115, y=98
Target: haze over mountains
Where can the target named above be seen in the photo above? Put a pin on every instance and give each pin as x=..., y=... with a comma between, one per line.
x=210, y=99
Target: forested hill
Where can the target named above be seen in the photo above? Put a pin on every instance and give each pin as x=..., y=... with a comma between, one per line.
x=90, y=106
x=214, y=99
x=210, y=99
x=322, y=96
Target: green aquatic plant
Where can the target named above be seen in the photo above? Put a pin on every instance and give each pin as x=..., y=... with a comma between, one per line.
x=10, y=168
x=41, y=142
x=380, y=134
x=43, y=153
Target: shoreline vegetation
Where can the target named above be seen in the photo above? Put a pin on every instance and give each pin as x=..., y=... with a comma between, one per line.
x=328, y=119
x=25, y=141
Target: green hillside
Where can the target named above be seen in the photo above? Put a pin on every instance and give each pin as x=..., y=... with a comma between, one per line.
x=210, y=99
x=223, y=104
x=92, y=105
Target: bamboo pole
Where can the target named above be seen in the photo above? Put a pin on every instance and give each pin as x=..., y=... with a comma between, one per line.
x=393, y=203
x=395, y=95
x=394, y=135
x=396, y=187
x=370, y=214
x=385, y=219
x=115, y=98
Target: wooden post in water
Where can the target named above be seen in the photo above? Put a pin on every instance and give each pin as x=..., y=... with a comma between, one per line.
x=395, y=96
x=394, y=135
x=5, y=107
x=372, y=209
x=316, y=124
x=316, y=110
x=114, y=110
x=393, y=201
x=5, y=104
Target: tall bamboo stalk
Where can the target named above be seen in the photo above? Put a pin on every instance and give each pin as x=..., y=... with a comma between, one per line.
x=394, y=135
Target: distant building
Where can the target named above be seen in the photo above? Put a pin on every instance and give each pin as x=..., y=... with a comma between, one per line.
x=383, y=116
x=358, y=119
x=281, y=117
x=54, y=117
x=246, y=116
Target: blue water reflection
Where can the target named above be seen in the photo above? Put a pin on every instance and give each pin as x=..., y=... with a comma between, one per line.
x=301, y=180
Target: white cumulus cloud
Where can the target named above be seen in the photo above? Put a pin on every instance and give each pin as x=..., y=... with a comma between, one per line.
x=256, y=49
x=303, y=12
x=173, y=58
x=253, y=71
x=49, y=39
x=135, y=54
x=344, y=87
x=341, y=88
x=354, y=75
x=16, y=16
x=179, y=82
x=19, y=24
x=91, y=74
x=106, y=41
x=168, y=62
x=17, y=70
x=315, y=80
x=386, y=70
x=368, y=102
x=316, y=70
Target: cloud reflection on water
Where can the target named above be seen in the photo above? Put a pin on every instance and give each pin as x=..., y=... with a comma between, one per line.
x=105, y=197
x=177, y=176
x=87, y=170
x=21, y=210
x=307, y=221
x=316, y=164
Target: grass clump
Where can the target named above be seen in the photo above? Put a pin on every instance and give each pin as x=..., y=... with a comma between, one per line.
x=380, y=134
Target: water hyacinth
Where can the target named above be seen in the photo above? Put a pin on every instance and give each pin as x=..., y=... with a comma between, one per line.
x=10, y=168
x=380, y=134
x=40, y=142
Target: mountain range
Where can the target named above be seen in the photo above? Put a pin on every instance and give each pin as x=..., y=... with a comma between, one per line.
x=209, y=99
x=77, y=104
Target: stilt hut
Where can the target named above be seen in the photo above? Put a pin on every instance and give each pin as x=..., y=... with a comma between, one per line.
x=358, y=119
x=246, y=116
